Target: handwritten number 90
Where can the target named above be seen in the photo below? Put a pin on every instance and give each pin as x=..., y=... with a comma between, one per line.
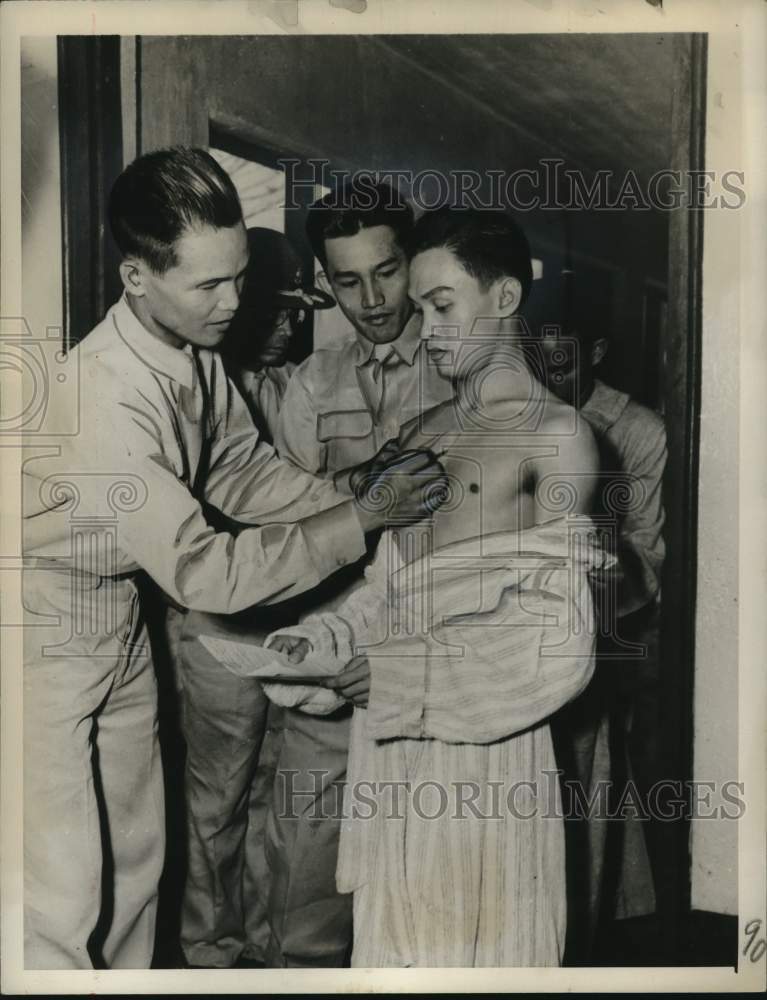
x=754, y=949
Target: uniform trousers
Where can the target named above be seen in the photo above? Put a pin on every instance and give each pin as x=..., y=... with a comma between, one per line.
x=311, y=922
x=231, y=747
x=93, y=794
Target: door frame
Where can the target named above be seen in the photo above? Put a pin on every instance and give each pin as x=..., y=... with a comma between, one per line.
x=680, y=393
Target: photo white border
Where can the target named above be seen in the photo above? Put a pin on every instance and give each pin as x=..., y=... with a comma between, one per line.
x=734, y=26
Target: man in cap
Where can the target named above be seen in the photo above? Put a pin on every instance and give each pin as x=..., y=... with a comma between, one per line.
x=274, y=299
x=225, y=719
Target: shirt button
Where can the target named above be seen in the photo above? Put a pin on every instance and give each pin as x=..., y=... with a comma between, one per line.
x=314, y=497
x=341, y=560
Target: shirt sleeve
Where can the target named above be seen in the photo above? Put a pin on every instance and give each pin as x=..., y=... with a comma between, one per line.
x=636, y=577
x=245, y=479
x=161, y=527
x=296, y=436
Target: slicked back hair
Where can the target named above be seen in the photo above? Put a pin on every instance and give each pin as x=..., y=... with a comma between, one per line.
x=489, y=244
x=355, y=206
x=161, y=195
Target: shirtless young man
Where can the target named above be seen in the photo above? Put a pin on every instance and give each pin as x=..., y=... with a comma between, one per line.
x=476, y=631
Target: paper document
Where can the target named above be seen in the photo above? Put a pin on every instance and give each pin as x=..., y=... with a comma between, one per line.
x=246, y=659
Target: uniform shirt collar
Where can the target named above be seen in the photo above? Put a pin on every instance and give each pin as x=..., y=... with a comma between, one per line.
x=405, y=346
x=605, y=405
x=176, y=363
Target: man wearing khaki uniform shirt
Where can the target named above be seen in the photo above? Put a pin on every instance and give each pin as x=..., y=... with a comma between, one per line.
x=340, y=408
x=163, y=436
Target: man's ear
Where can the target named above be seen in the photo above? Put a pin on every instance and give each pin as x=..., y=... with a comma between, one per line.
x=132, y=273
x=598, y=350
x=323, y=283
x=509, y=296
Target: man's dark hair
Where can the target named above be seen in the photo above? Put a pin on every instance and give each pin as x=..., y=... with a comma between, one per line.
x=162, y=194
x=358, y=204
x=489, y=245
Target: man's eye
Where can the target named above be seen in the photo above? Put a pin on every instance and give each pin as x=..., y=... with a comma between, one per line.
x=388, y=273
x=441, y=309
x=347, y=284
x=209, y=286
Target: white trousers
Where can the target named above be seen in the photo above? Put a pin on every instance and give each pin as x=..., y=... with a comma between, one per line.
x=93, y=796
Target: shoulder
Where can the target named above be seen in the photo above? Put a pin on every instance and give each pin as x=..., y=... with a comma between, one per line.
x=639, y=437
x=104, y=363
x=564, y=421
x=572, y=435
x=641, y=421
x=324, y=365
x=103, y=341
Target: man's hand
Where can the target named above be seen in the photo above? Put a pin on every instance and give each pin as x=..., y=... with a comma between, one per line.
x=348, y=480
x=410, y=486
x=295, y=648
x=353, y=683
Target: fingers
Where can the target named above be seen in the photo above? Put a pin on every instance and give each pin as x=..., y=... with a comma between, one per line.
x=357, y=693
x=430, y=493
x=353, y=678
x=354, y=689
x=360, y=698
x=347, y=678
x=299, y=652
x=293, y=647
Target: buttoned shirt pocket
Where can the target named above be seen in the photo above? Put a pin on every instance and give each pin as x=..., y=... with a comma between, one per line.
x=347, y=436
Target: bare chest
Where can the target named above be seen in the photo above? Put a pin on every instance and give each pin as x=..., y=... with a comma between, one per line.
x=489, y=491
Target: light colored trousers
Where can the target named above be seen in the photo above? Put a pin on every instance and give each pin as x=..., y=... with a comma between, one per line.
x=261, y=863
x=228, y=782
x=93, y=794
x=310, y=921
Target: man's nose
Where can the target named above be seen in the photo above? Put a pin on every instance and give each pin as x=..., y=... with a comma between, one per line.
x=230, y=297
x=372, y=295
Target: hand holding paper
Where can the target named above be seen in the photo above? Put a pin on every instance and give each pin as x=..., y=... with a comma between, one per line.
x=247, y=659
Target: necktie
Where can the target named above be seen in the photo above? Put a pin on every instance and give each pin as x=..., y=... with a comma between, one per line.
x=381, y=356
x=206, y=423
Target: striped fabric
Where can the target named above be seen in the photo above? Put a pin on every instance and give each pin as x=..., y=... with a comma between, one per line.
x=485, y=637
x=472, y=648
x=447, y=891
